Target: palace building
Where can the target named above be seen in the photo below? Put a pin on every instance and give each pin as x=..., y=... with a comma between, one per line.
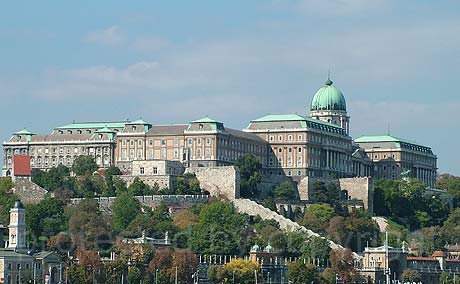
x=313, y=145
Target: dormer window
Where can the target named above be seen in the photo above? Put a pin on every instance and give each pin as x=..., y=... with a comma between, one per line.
x=200, y=126
x=100, y=136
x=134, y=128
x=69, y=131
x=79, y=131
x=88, y=131
x=61, y=132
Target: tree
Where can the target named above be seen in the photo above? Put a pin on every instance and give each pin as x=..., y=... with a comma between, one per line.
x=250, y=174
x=88, y=228
x=300, y=273
x=445, y=278
x=316, y=217
x=411, y=276
x=324, y=193
x=242, y=270
x=46, y=218
x=285, y=190
x=342, y=264
x=451, y=184
x=167, y=259
x=316, y=248
x=84, y=165
x=125, y=209
x=138, y=188
x=218, y=230
x=6, y=183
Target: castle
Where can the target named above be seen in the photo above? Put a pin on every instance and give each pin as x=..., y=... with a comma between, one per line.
x=317, y=145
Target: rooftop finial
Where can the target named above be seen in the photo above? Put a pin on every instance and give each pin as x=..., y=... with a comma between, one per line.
x=329, y=82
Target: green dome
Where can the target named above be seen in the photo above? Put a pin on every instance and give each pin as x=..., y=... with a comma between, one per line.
x=255, y=248
x=268, y=248
x=328, y=98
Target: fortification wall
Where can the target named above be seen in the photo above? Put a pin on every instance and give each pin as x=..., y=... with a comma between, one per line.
x=361, y=189
x=355, y=188
x=175, y=202
x=163, y=181
x=222, y=182
x=28, y=191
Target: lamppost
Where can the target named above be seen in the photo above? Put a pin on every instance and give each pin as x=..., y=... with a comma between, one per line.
x=233, y=277
x=156, y=276
x=269, y=282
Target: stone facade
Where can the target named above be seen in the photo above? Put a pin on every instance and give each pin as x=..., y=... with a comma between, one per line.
x=163, y=181
x=173, y=201
x=28, y=191
x=222, y=182
x=351, y=188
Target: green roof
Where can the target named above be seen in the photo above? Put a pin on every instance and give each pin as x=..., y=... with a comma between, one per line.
x=83, y=125
x=280, y=117
x=24, y=131
x=206, y=119
x=139, y=121
x=104, y=130
x=385, y=138
x=292, y=117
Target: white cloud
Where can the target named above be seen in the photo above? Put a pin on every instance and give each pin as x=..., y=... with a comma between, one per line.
x=149, y=44
x=110, y=36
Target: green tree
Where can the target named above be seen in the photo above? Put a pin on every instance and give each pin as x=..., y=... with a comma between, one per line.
x=316, y=248
x=84, y=165
x=76, y=274
x=125, y=209
x=139, y=188
x=445, y=278
x=6, y=183
x=219, y=229
x=88, y=228
x=285, y=190
x=324, y=193
x=411, y=276
x=451, y=184
x=242, y=270
x=250, y=174
x=46, y=218
x=300, y=273
x=134, y=275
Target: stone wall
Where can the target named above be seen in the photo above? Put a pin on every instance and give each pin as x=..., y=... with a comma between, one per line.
x=361, y=189
x=174, y=202
x=252, y=208
x=163, y=181
x=222, y=182
x=355, y=188
x=28, y=191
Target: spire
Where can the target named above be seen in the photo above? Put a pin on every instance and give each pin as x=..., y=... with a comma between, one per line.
x=329, y=81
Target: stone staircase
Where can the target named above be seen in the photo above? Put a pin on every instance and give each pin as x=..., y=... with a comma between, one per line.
x=252, y=208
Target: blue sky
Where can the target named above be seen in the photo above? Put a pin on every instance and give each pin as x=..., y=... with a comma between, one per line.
x=168, y=62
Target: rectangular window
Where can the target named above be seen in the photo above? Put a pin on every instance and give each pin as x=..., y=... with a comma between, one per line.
x=123, y=154
x=151, y=142
x=163, y=142
x=299, y=137
x=150, y=154
x=139, y=142
x=139, y=154
x=131, y=142
x=176, y=153
x=299, y=161
x=289, y=161
x=155, y=170
x=208, y=141
x=123, y=142
x=163, y=153
x=198, y=141
x=176, y=141
x=131, y=154
x=141, y=170
x=208, y=152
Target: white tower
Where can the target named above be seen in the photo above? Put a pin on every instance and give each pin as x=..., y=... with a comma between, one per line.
x=17, y=227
